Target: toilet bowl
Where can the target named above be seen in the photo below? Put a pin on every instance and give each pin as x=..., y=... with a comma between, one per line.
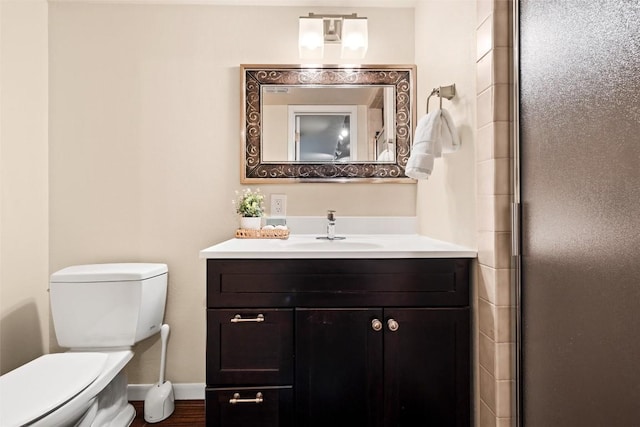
x=99, y=311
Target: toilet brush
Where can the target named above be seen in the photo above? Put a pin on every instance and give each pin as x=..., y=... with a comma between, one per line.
x=159, y=402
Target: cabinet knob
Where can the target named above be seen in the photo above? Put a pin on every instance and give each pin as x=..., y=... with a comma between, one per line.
x=236, y=399
x=392, y=325
x=237, y=318
x=376, y=325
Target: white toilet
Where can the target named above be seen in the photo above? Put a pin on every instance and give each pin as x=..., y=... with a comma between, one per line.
x=99, y=312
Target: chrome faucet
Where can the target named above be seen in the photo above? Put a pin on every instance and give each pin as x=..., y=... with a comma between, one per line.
x=331, y=227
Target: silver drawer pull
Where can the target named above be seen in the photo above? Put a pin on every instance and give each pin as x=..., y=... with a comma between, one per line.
x=376, y=325
x=237, y=318
x=392, y=325
x=236, y=399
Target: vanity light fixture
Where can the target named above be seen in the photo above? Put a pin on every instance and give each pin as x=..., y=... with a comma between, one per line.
x=310, y=37
x=355, y=38
x=317, y=30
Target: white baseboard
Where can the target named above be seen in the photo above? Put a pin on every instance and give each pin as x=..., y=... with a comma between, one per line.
x=182, y=391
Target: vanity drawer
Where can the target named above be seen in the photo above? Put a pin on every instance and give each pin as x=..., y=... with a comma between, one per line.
x=253, y=407
x=249, y=346
x=435, y=282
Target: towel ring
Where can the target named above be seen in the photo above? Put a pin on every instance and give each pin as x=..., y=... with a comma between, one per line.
x=442, y=92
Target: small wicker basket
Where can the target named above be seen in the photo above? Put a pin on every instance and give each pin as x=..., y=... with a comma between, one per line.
x=243, y=233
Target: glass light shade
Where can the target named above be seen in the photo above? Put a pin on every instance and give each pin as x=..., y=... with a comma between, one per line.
x=311, y=38
x=355, y=38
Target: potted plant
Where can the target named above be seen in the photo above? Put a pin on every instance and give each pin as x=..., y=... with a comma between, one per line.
x=249, y=205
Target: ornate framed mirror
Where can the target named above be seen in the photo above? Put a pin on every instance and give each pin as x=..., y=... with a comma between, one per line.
x=327, y=123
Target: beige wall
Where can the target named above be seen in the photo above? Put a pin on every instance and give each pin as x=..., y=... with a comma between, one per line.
x=445, y=54
x=144, y=141
x=24, y=309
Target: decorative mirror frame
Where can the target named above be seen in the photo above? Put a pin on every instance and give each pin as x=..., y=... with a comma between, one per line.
x=253, y=77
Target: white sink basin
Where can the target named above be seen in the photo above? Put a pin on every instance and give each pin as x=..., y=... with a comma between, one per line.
x=331, y=245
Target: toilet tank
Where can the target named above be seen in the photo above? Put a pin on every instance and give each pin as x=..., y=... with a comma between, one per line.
x=107, y=305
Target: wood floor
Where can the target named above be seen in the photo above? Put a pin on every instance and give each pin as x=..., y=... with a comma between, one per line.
x=187, y=413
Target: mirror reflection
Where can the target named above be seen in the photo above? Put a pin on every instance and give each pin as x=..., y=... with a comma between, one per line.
x=323, y=137
x=336, y=124
x=327, y=123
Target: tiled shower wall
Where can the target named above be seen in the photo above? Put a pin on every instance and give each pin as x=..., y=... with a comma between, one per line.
x=495, y=341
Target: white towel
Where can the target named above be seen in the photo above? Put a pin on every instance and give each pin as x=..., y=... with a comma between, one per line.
x=435, y=134
x=450, y=138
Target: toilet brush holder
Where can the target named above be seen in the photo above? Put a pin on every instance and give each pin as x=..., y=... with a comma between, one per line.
x=159, y=402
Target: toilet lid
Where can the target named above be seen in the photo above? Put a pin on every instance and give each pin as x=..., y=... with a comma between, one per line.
x=40, y=386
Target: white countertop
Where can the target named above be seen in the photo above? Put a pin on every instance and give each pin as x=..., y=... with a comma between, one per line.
x=354, y=246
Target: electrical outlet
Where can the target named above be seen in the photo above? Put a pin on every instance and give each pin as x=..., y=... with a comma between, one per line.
x=278, y=205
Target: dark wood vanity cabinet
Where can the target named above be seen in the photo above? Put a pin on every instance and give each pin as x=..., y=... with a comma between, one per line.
x=317, y=342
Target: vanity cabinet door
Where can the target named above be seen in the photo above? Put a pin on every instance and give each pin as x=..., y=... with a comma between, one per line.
x=427, y=367
x=412, y=366
x=338, y=368
x=249, y=347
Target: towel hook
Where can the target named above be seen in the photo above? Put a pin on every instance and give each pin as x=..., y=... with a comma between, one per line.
x=442, y=92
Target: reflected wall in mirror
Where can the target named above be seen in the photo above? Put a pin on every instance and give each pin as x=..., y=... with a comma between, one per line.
x=328, y=123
